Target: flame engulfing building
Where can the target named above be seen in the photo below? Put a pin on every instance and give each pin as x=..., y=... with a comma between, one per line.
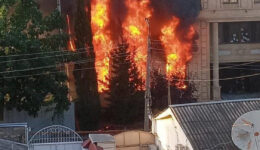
x=213, y=43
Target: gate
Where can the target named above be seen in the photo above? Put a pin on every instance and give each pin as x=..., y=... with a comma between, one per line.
x=55, y=137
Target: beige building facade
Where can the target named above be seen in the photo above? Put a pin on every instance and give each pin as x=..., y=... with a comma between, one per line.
x=229, y=35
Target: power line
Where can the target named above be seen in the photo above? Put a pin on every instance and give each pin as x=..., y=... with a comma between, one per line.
x=60, y=65
x=59, y=51
x=223, y=79
x=36, y=58
x=31, y=54
x=47, y=73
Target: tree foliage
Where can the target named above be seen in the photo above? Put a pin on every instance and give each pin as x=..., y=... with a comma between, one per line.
x=30, y=59
x=88, y=104
x=159, y=89
x=125, y=94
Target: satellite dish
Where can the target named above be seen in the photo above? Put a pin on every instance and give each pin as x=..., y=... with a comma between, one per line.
x=246, y=131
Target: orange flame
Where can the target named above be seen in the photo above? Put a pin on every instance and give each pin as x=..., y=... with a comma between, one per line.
x=135, y=31
x=178, y=53
x=71, y=44
x=101, y=40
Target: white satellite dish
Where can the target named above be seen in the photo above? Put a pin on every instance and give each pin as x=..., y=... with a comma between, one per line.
x=246, y=131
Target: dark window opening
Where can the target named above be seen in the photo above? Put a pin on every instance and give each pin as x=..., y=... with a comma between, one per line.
x=246, y=78
x=239, y=32
x=1, y=112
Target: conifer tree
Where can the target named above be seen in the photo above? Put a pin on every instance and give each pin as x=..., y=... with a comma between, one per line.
x=124, y=95
x=88, y=104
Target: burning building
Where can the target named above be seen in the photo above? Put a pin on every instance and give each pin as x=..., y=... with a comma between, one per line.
x=213, y=43
x=193, y=39
x=123, y=22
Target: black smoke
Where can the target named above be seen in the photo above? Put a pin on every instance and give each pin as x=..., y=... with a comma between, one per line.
x=164, y=10
x=186, y=10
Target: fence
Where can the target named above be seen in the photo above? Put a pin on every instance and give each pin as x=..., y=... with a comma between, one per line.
x=10, y=145
x=55, y=137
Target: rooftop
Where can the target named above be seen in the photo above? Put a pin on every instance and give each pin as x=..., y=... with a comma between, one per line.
x=208, y=125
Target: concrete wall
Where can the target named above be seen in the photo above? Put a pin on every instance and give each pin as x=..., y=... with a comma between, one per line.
x=239, y=52
x=217, y=11
x=43, y=119
x=199, y=67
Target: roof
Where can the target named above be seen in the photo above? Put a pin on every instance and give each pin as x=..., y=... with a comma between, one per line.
x=101, y=138
x=208, y=125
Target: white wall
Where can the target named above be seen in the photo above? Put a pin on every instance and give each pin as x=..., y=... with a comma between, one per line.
x=169, y=134
x=61, y=146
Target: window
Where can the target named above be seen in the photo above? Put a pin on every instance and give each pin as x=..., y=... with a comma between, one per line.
x=239, y=32
x=243, y=86
x=1, y=112
x=230, y=1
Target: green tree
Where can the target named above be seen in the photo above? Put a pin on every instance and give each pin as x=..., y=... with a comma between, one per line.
x=88, y=103
x=159, y=90
x=28, y=43
x=125, y=96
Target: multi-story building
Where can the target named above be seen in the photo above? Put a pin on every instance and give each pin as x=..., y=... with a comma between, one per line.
x=226, y=65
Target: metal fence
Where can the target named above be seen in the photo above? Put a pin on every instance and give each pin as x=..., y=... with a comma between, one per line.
x=55, y=137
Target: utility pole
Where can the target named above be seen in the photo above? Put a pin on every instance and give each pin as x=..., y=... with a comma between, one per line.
x=59, y=6
x=169, y=92
x=147, y=110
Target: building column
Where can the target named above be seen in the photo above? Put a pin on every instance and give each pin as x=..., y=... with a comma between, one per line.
x=215, y=50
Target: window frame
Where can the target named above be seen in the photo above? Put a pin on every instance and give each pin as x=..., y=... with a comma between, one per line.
x=229, y=2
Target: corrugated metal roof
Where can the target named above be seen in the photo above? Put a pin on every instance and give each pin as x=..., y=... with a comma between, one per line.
x=208, y=125
x=101, y=138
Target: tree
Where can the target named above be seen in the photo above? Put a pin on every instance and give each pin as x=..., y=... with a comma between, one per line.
x=182, y=96
x=125, y=96
x=88, y=104
x=30, y=59
x=159, y=90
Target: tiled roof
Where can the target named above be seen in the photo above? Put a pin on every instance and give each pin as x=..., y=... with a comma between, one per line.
x=208, y=125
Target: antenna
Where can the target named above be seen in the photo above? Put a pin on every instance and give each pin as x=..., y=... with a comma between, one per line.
x=246, y=131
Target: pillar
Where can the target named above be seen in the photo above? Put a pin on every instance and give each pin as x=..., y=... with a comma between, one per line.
x=215, y=50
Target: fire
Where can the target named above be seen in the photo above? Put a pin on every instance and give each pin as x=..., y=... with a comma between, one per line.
x=178, y=53
x=135, y=31
x=71, y=44
x=101, y=40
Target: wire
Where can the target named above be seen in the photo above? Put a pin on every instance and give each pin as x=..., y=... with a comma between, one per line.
x=36, y=58
x=57, y=65
x=59, y=51
x=30, y=54
x=224, y=79
x=47, y=73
